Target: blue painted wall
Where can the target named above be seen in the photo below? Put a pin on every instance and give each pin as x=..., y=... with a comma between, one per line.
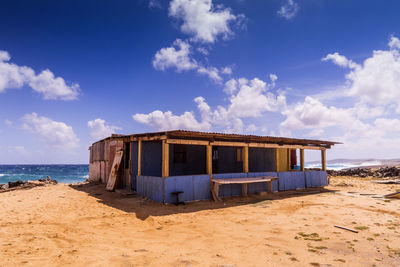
x=291, y=180
x=261, y=187
x=195, y=161
x=151, y=187
x=316, y=178
x=195, y=187
x=151, y=158
x=134, y=163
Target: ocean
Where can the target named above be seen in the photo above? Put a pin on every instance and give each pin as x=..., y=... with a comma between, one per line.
x=67, y=173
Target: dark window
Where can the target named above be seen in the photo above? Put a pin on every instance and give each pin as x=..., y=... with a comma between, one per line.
x=127, y=153
x=179, y=154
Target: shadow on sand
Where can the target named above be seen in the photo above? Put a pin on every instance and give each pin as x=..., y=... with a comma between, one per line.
x=143, y=208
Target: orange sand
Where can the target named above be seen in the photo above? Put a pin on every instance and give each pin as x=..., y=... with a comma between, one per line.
x=83, y=225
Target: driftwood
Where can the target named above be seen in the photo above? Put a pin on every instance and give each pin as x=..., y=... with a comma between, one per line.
x=347, y=229
x=114, y=171
x=393, y=195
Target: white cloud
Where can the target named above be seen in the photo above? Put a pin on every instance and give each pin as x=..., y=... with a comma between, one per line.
x=176, y=56
x=247, y=98
x=388, y=125
x=316, y=133
x=14, y=76
x=377, y=80
x=313, y=114
x=250, y=98
x=55, y=134
x=341, y=61
x=226, y=70
x=8, y=122
x=179, y=58
x=394, y=43
x=163, y=121
x=289, y=10
x=211, y=72
x=202, y=20
x=99, y=129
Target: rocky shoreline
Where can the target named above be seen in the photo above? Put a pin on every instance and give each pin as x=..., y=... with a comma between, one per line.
x=19, y=184
x=381, y=172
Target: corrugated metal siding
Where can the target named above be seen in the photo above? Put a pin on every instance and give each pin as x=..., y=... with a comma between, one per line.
x=291, y=180
x=228, y=190
x=316, y=178
x=151, y=187
x=195, y=187
x=261, y=187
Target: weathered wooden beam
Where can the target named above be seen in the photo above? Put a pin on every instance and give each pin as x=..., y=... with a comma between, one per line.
x=222, y=143
x=323, y=159
x=301, y=159
x=209, y=160
x=188, y=142
x=277, y=167
x=165, y=159
x=263, y=145
x=288, y=152
x=148, y=138
x=139, y=170
x=246, y=159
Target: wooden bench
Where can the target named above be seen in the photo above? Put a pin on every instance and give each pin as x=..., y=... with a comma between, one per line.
x=244, y=182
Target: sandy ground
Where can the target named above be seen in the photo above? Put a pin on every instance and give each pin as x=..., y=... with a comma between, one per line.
x=61, y=225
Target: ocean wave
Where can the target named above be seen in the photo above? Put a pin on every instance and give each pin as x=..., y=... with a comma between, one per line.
x=1, y=174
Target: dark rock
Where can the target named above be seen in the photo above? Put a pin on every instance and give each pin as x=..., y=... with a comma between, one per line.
x=15, y=184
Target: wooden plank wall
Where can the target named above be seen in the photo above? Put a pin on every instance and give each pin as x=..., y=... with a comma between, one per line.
x=102, y=156
x=283, y=159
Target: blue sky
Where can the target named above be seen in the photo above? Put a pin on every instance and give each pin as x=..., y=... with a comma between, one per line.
x=72, y=72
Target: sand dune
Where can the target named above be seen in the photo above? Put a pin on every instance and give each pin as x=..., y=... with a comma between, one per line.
x=83, y=225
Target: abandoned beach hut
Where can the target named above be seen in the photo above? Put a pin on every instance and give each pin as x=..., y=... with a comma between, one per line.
x=203, y=165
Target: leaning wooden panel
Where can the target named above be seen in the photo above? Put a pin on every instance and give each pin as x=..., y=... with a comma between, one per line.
x=114, y=170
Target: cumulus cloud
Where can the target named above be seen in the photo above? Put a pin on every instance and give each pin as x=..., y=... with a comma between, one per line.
x=247, y=99
x=163, y=121
x=45, y=83
x=201, y=19
x=288, y=10
x=377, y=80
x=55, y=134
x=211, y=72
x=176, y=56
x=341, y=61
x=99, y=129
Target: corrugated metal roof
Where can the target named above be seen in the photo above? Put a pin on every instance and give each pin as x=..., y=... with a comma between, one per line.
x=213, y=136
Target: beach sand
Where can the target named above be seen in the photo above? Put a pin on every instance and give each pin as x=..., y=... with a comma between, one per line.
x=82, y=225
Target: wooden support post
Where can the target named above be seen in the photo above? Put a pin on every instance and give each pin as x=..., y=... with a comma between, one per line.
x=214, y=187
x=244, y=190
x=246, y=159
x=165, y=159
x=209, y=159
x=139, y=163
x=302, y=160
x=288, y=159
x=277, y=167
x=130, y=165
x=323, y=159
